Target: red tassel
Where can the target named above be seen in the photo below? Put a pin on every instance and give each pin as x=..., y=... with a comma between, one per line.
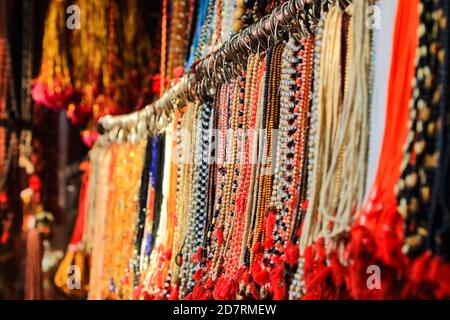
x=209, y=284
x=219, y=235
x=253, y=291
x=320, y=250
x=277, y=260
x=337, y=271
x=271, y=217
x=433, y=270
x=443, y=279
x=277, y=283
x=391, y=244
x=256, y=247
x=226, y=289
x=35, y=183
x=308, y=255
x=218, y=289
x=198, y=274
x=419, y=267
x=168, y=255
x=3, y=198
x=4, y=238
x=137, y=292
x=231, y=289
x=279, y=292
x=174, y=294
x=259, y=274
x=199, y=292
x=197, y=257
x=318, y=278
x=305, y=204
x=268, y=242
x=242, y=275
x=147, y=296
x=292, y=254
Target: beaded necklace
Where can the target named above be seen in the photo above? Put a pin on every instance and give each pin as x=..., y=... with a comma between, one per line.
x=156, y=273
x=290, y=177
x=25, y=147
x=350, y=159
x=5, y=90
x=220, y=215
x=107, y=158
x=213, y=175
x=216, y=33
x=173, y=218
x=227, y=19
x=261, y=219
x=249, y=161
x=226, y=263
x=123, y=209
x=256, y=124
x=222, y=225
x=162, y=68
x=192, y=251
x=151, y=207
x=347, y=156
x=140, y=224
x=305, y=103
x=326, y=111
x=173, y=202
x=332, y=174
x=439, y=215
x=204, y=17
x=185, y=158
x=287, y=141
x=247, y=109
x=180, y=28
x=238, y=12
x=154, y=200
x=297, y=288
x=424, y=143
x=235, y=213
x=221, y=114
x=270, y=122
x=93, y=201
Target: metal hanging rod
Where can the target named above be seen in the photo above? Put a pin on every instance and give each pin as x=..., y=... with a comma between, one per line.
x=220, y=66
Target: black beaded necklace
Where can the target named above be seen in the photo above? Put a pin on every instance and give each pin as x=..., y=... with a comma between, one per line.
x=143, y=193
x=439, y=215
x=420, y=166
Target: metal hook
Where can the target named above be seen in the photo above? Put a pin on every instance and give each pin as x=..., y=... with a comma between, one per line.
x=273, y=24
x=210, y=90
x=246, y=37
x=208, y=68
x=231, y=50
x=216, y=58
x=227, y=71
x=254, y=43
x=235, y=51
x=257, y=34
x=293, y=14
